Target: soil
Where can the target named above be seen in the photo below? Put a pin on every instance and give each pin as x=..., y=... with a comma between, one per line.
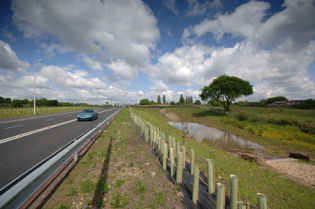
x=122, y=171
x=301, y=172
x=172, y=116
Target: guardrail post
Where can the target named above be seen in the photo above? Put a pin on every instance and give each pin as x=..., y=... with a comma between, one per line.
x=196, y=185
x=210, y=172
x=75, y=157
x=179, y=171
x=165, y=155
x=192, y=161
x=172, y=160
x=220, y=203
x=262, y=201
x=233, y=191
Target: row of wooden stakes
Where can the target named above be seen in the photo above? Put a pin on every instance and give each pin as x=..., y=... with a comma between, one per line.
x=173, y=155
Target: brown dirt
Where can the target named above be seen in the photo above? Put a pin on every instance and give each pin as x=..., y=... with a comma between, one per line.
x=170, y=115
x=301, y=172
x=123, y=174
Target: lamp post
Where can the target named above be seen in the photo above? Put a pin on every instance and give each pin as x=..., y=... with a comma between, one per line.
x=39, y=61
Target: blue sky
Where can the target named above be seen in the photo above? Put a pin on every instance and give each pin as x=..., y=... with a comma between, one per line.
x=122, y=51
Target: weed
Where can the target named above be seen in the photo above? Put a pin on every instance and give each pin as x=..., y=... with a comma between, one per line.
x=62, y=206
x=118, y=200
x=131, y=164
x=72, y=191
x=87, y=186
x=159, y=197
x=119, y=182
x=140, y=187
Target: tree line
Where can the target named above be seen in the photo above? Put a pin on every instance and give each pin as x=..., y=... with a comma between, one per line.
x=42, y=102
x=181, y=100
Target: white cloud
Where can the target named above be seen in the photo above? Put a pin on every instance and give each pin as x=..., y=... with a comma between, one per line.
x=171, y=5
x=111, y=29
x=123, y=70
x=9, y=61
x=93, y=64
x=196, y=9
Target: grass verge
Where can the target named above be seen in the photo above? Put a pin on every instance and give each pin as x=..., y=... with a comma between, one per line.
x=119, y=171
x=281, y=191
x=28, y=111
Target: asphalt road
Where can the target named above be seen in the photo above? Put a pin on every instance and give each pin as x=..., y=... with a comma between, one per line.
x=27, y=141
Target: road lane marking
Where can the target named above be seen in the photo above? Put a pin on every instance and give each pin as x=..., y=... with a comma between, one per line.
x=50, y=119
x=13, y=127
x=39, y=130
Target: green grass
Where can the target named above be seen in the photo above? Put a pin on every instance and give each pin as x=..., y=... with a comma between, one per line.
x=281, y=130
x=281, y=192
x=118, y=200
x=87, y=186
x=28, y=111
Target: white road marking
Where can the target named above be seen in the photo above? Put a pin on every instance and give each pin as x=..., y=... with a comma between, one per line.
x=39, y=130
x=50, y=119
x=13, y=127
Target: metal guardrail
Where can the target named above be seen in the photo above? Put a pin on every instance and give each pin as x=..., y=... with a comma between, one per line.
x=25, y=189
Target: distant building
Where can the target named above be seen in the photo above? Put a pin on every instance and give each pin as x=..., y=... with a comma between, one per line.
x=287, y=103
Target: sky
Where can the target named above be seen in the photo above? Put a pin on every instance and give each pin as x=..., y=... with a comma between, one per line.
x=121, y=51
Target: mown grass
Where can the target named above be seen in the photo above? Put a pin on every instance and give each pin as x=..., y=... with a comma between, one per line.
x=28, y=111
x=281, y=191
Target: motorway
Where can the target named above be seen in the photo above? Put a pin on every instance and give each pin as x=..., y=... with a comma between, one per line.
x=24, y=142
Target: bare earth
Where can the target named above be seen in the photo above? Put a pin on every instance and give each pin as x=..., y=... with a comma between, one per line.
x=170, y=115
x=304, y=173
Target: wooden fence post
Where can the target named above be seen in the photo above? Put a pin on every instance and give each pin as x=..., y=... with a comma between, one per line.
x=196, y=185
x=233, y=191
x=165, y=155
x=172, y=160
x=192, y=161
x=179, y=170
x=210, y=172
x=220, y=203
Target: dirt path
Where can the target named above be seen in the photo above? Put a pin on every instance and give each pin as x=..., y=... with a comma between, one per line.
x=172, y=116
x=119, y=171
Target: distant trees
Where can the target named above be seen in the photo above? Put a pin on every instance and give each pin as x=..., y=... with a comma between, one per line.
x=146, y=102
x=181, y=99
x=197, y=102
x=158, y=99
x=42, y=102
x=274, y=99
x=164, y=100
x=225, y=89
x=189, y=100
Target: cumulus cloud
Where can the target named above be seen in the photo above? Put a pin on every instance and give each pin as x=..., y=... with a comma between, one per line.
x=273, y=55
x=122, y=69
x=9, y=60
x=112, y=29
x=92, y=63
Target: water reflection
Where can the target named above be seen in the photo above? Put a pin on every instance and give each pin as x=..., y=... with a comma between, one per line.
x=218, y=138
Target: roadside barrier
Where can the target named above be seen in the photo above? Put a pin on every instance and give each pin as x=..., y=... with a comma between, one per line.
x=31, y=188
x=199, y=190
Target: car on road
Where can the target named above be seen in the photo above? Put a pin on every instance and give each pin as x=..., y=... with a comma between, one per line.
x=87, y=114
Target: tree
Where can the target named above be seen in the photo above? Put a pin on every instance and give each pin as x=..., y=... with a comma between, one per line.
x=181, y=99
x=164, y=100
x=17, y=103
x=159, y=99
x=275, y=99
x=225, y=89
x=144, y=102
x=197, y=102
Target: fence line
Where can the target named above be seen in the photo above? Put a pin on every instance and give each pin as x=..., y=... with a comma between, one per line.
x=201, y=189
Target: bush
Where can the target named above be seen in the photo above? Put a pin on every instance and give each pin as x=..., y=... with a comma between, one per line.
x=172, y=103
x=197, y=102
x=241, y=116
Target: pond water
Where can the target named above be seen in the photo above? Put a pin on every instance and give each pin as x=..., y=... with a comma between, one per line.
x=218, y=138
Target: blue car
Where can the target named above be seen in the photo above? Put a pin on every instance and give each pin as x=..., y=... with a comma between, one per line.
x=87, y=114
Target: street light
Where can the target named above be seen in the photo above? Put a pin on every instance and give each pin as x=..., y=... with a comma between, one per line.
x=39, y=61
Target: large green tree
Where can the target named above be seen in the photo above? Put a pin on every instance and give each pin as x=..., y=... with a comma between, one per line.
x=225, y=89
x=181, y=99
x=159, y=99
